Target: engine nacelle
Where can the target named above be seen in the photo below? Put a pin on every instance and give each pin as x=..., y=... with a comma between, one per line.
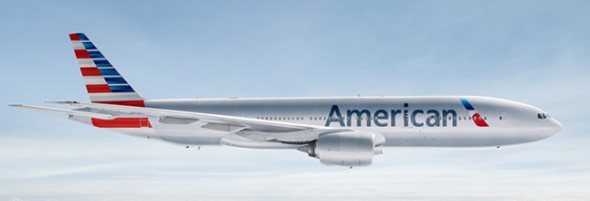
x=346, y=148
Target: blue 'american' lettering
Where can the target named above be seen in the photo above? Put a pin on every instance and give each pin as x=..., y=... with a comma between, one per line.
x=384, y=118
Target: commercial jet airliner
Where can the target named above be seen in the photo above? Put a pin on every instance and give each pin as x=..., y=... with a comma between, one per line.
x=337, y=131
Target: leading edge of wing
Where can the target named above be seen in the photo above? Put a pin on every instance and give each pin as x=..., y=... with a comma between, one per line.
x=247, y=123
x=66, y=112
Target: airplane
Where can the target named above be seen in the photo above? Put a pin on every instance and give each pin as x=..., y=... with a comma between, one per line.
x=345, y=131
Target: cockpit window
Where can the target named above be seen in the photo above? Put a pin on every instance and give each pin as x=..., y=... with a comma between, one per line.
x=542, y=116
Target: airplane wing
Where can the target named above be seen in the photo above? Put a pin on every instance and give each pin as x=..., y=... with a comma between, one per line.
x=66, y=112
x=255, y=129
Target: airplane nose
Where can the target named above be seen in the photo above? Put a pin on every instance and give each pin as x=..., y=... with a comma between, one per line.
x=556, y=126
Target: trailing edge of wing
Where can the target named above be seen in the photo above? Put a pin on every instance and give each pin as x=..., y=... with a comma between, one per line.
x=66, y=112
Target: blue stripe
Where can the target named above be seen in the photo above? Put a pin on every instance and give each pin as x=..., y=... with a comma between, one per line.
x=95, y=54
x=467, y=105
x=102, y=63
x=124, y=88
x=115, y=80
x=88, y=45
x=108, y=71
x=82, y=36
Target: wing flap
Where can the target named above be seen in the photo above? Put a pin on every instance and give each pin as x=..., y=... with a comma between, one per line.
x=175, y=120
x=222, y=127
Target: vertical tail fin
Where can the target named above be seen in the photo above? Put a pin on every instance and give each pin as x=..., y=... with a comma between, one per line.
x=103, y=82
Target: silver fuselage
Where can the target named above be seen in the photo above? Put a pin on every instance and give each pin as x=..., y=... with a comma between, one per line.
x=402, y=121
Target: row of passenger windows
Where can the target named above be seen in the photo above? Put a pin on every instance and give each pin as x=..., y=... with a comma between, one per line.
x=343, y=118
x=283, y=118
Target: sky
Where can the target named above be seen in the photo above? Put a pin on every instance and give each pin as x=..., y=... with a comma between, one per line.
x=534, y=52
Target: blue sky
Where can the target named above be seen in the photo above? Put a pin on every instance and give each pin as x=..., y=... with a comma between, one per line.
x=529, y=51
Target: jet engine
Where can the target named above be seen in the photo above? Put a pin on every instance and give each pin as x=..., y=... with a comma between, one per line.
x=346, y=148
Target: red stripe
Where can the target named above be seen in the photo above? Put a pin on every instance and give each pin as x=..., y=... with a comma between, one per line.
x=82, y=54
x=98, y=88
x=92, y=71
x=122, y=122
x=74, y=37
x=479, y=121
x=136, y=103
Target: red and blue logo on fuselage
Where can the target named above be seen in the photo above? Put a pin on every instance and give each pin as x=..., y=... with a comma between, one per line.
x=475, y=116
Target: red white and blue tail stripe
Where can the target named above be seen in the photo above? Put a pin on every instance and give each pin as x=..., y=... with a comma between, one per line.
x=103, y=82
